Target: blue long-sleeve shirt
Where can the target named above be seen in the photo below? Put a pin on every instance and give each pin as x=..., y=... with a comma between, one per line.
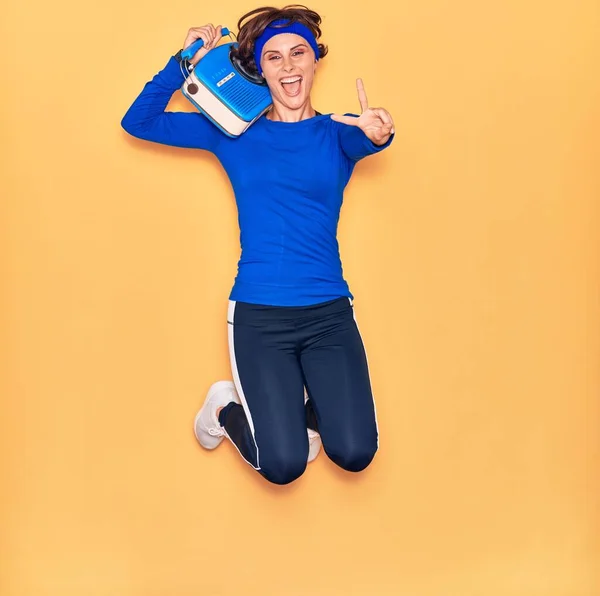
x=288, y=179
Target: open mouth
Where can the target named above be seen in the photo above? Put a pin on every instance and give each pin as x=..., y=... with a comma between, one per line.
x=291, y=85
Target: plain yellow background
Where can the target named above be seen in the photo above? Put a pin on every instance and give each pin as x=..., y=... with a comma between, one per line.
x=471, y=246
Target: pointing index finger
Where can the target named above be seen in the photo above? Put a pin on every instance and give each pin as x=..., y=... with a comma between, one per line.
x=362, y=95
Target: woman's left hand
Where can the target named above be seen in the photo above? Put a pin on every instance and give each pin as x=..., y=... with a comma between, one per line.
x=376, y=123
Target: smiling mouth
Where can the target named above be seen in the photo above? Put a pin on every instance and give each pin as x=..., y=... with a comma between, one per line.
x=291, y=85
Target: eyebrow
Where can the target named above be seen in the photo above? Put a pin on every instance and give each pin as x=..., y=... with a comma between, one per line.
x=300, y=44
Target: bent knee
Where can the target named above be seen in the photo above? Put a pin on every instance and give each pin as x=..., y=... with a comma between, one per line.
x=354, y=458
x=281, y=469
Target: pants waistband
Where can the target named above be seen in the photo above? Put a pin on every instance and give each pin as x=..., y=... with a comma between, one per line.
x=246, y=311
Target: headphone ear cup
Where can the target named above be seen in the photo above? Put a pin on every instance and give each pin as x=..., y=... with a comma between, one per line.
x=256, y=78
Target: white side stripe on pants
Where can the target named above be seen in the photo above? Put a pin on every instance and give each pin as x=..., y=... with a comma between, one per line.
x=374, y=407
x=236, y=380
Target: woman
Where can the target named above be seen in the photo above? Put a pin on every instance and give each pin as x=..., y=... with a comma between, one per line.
x=290, y=318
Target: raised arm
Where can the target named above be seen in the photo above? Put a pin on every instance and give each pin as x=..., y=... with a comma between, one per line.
x=368, y=133
x=147, y=119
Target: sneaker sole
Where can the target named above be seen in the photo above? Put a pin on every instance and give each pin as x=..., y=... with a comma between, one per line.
x=314, y=446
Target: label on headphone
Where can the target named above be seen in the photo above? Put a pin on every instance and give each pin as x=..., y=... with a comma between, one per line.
x=225, y=79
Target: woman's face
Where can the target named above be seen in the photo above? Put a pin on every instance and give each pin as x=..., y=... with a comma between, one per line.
x=288, y=65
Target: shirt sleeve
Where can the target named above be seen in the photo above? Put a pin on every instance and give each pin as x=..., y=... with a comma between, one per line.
x=356, y=144
x=147, y=119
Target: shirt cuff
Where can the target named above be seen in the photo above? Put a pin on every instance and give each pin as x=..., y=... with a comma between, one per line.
x=374, y=147
x=359, y=143
x=171, y=75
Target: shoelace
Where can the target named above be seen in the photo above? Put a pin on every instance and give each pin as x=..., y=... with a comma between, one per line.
x=216, y=432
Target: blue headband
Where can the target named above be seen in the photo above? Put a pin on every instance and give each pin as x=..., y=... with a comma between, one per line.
x=271, y=31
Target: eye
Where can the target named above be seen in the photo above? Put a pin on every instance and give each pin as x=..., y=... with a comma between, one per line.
x=297, y=52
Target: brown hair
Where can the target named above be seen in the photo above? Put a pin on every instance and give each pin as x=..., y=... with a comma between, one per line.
x=261, y=18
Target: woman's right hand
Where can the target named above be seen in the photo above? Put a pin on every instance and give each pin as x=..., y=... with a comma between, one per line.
x=211, y=36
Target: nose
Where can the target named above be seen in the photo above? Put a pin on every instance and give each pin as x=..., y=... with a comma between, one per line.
x=287, y=63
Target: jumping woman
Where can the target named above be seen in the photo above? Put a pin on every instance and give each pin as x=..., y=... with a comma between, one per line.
x=299, y=368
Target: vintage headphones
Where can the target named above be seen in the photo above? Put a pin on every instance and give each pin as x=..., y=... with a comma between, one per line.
x=222, y=89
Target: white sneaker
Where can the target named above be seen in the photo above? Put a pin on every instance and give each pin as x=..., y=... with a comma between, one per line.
x=314, y=444
x=314, y=439
x=207, y=429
